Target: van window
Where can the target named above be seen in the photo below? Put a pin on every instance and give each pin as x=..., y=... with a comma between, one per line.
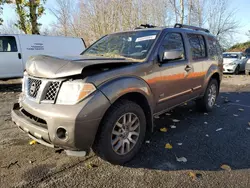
x=8, y=44
x=197, y=45
x=174, y=41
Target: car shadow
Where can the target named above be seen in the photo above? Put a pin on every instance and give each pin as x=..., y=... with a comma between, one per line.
x=10, y=86
x=207, y=141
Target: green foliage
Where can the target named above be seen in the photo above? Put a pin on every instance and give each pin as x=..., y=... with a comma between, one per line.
x=29, y=11
x=240, y=47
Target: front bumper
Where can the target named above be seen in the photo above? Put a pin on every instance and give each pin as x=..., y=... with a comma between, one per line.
x=81, y=121
x=229, y=68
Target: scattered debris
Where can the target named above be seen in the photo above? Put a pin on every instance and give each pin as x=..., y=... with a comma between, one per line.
x=175, y=120
x=206, y=114
x=12, y=164
x=164, y=129
x=218, y=129
x=207, y=135
x=147, y=142
x=156, y=117
x=168, y=146
x=181, y=159
x=225, y=167
x=195, y=176
x=226, y=101
x=235, y=115
x=31, y=162
x=241, y=109
x=179, y=144
x=168, y=114
x=205, y=123
x=173, y=127
x=32, y=142
x=90, y=165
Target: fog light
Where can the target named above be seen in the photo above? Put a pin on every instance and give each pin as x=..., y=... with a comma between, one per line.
x=62, y=133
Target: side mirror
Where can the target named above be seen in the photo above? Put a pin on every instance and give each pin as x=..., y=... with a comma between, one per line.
x=169, y=55
x=243, y=57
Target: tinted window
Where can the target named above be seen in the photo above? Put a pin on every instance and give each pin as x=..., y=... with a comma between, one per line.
x=173, y=41
x=8, y=44
x=213, y=48
x=198, y=47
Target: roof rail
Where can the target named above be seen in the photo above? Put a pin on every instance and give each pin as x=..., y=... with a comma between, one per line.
x=142, y=26
x=191, y=27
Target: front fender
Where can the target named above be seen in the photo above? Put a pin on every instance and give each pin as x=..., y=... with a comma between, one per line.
x=118, y=87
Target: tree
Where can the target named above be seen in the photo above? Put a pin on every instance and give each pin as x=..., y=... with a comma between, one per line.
x=221, y=20
x=29, y=11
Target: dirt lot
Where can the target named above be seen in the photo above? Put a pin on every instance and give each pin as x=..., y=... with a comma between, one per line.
x=221, y=137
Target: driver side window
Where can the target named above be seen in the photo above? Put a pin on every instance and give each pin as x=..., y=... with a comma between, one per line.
x=172, y=42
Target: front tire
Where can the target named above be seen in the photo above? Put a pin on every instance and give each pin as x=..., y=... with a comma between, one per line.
x=207, y=102
x=237, y=70
x=121, y=133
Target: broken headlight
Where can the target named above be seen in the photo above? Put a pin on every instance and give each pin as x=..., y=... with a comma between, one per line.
x=71, y=92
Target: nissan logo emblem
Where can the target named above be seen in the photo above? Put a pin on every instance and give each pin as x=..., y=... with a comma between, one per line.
x=32, y=88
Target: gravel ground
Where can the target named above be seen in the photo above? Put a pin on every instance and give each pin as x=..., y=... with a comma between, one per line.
x=207, y=141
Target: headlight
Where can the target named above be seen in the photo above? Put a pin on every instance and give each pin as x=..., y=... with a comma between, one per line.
x=24, y=82
x=232, y=63
x=72, y=92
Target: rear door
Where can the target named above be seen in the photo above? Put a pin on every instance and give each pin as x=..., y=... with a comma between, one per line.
x=198, y=57
x=10, y=57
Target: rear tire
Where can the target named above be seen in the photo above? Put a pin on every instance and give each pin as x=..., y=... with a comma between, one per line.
x=119, y=139
x=207, y=102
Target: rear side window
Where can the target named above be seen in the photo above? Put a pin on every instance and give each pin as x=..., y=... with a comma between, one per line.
x=8, y=44
x=214, y=49
x=174, y=41
x=197, y=45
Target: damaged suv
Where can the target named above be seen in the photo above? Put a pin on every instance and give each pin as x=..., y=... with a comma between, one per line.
x=107, y=97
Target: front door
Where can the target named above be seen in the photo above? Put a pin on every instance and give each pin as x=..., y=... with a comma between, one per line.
x=174, y=86
x=10, y=58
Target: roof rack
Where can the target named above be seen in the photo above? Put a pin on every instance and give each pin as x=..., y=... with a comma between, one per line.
x=191, y=27
x=143, y=26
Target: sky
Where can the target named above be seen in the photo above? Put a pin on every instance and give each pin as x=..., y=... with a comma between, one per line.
x=242, y=14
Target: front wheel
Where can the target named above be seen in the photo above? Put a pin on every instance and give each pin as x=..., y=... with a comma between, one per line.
x=237, y=70
x=121, y=133
x=207, y=102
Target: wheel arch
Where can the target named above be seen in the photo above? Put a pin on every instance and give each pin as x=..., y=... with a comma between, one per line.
x=213, y=73
x=133, y=89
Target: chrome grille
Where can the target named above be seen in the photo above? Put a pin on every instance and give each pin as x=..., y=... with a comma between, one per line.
x=52, y=91
x=33, y=87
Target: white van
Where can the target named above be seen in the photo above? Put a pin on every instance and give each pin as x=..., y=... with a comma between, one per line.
x=16, y=49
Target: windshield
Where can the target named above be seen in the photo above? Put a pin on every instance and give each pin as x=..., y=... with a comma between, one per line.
x=234, y=56
x=135, y=45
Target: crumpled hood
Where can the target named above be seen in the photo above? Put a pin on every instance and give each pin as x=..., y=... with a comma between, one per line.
x=227, y=61
x=57, y=67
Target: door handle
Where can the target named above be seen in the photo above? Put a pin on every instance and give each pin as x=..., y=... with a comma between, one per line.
x=188, y=68
x=19, y=56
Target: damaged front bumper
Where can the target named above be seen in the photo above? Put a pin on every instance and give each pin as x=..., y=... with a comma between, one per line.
x=70, y=127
